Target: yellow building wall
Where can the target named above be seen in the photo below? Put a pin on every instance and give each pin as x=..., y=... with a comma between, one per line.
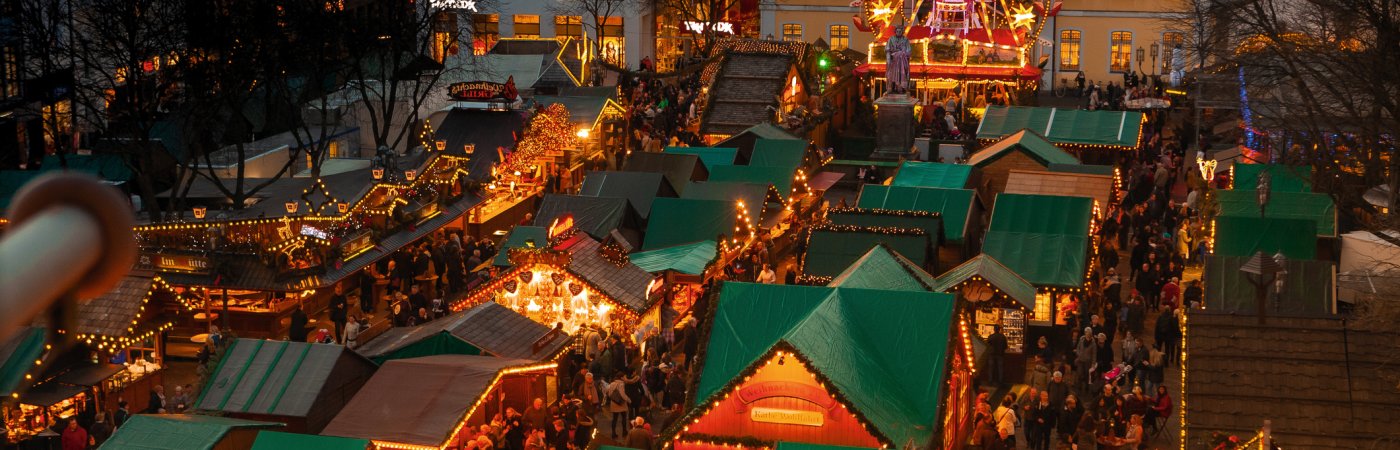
x=816, y=18
x=1096, y=20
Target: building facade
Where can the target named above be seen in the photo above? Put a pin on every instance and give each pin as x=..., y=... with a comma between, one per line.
x=626, y=34
x=1107, y=39
x=808, y=20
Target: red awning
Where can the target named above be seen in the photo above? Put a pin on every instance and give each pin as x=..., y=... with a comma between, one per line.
x=957, y=71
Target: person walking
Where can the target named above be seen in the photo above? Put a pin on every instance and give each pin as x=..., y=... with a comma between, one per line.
x=616, y=394
x=296, y=329
x=639, y=437
x=339, y=312
x=996, y=357
x=74, y=437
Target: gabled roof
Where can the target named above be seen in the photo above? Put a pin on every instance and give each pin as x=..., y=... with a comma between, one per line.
x=882, y=268
x=690, y=259
x=1097, y=187
x=1312, y=206
x=778, y=177
x=833, y=248
x=639, y=188
x=487, y=130
x=679, y=169
x=778, y=153
x=626, y=283
x=677, y=221
x=1118, y=129
x=933, y=175
x=176, y=432
x=883, y=352
x=930, y=223
x=710, y=156
x=761, y=131
x=955, y=205
x=278, y=378
x=597, y=216
x=988, y=268
x=489, y=327
x=750, y=193
x=1043, y=238
x=1281, y=178
x=522, y=236
x=1032, y=144
x=747, y=84
x=113, y=312
x=277, y=440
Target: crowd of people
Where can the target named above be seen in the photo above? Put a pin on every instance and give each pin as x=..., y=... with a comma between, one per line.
x=93, y=425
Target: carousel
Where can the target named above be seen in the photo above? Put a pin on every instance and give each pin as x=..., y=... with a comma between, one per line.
x=978, y=50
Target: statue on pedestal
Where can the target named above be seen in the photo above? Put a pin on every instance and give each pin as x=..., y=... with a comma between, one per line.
x=897, y=62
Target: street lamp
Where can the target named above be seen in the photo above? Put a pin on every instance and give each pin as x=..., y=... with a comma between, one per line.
x=200, y=211
x=1140, y=58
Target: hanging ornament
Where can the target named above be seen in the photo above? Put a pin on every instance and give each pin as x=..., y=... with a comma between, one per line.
x=575, y=288
x=511, y=286
x=557, y=277
x=527, y=276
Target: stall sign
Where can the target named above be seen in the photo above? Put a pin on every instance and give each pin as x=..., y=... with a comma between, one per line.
x=482, y=90
x=787, y=416
x=176, y=263
x=543, y=341
x=699, y=27
x=308, y=230
x=560, y=225
x=357, y=245
x=426, y=212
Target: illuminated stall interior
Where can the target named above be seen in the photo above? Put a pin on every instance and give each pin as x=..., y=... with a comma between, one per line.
x=991, y=295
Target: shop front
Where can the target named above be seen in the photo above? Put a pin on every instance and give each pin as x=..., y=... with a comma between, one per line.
x=991, y=297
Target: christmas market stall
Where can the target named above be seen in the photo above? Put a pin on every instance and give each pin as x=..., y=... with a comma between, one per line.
x=960, y=212
x=1067, y=184
x=831, y=248
x=300, y=384
x=598, y=217
x=683, y=270
x=596, y=120
x=991, y=295
x=1283, y=222
x=639, y=188
x=1074, y=130
x=683, y=221
x=439, y=401
x=186, y=432
x=522, y=236
x=21, y=357
x=744, y=77
x=785, y=368
x=1303, y=286
x=709, y=156
x=1049, y=241
x=486, y=137
x=934, y=175
x=277, y=440
x=1023, y=150
x=487, y=329
x=679, y=169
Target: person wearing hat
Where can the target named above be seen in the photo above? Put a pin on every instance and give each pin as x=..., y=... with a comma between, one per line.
x=639, y=437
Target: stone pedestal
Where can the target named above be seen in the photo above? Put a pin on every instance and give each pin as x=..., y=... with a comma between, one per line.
x=894, y=126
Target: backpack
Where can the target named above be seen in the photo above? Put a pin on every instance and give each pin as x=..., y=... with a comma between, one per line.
x=615, y=396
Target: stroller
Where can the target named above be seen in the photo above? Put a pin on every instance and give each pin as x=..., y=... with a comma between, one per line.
x=1118, y=375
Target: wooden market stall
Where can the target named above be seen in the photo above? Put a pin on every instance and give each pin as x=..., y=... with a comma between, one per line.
x=1091, y=135
x=685, y=270
x=186, y=432
x=300, y=384
x=961, y=212
x=639, y=188
x=990, y=295
x=831, y=248
x=1023, y=150
x=447, y=397
x=488, y=329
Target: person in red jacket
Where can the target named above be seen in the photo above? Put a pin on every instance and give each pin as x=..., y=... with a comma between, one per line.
x=74, y=437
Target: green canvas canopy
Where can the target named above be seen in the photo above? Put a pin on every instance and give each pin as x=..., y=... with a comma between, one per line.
x=1242, y=236
x=489, y=329
x=778, y=177
x=955, y=205
x=639, y=188
x=778, y=153
x=690, y=259
x=522, y=236
x=177, y=432
x=882, y=351
x=1315, y=207
x=882, y=268
x=709, y=156
x=676, y=221
x=994, y=272
x=277, y=440
x=831, y=251
x=281, y=378
x=1281, y=178
x=1120, y=129
x=931, y=224
x=1032, y=144
x=17, y=356
x=754, y=195
x=1043, y=238
x=1308, y=287
x=597, y=216
x=932, y=175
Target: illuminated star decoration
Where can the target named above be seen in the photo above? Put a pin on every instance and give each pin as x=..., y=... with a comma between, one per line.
x=1022, y=16
x=881, y=11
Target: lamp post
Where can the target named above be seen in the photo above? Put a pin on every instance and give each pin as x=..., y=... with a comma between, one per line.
x=1156, y=49
x=1140, y=58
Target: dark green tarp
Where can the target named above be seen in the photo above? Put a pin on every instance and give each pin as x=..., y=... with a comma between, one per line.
x=1281, y=178
x=1315, y=207
x=1242, y=236
x=996, y=273
x=597, y=216
x=17, y=357
x=279, y=378
x=932, y=175
x=954, y=204
x=882, y=268
x=831, y=252
x=277, y=440
x=778, y=153
x=754, y=195
x=176, y=432
x=1034, y=146
x=883, y=351
x=1043, y=238
x=930, y=224
x=639, y=188
x=522, y=236
x=1308, y=287
x=439, y=343
x=1064, y=126
x=709, y=156
x=677, y=221
x=689, y=259
x=778, y=177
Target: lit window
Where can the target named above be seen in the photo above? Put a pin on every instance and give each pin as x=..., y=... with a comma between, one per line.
x=486, y=30
x=527, y=26
x=1043, y=307
x=614, y=45
x=840, y=37
x=1120, y=51
x=1069, y=50
x=792, y=32
x=568, y=26
x=444, y=35
x=1170, y=40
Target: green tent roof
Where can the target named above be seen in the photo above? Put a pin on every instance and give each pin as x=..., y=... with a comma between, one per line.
x=17, y=356
x=994, y=272
x=749, y=193
x=597, y=216
x=639, y=188
x=688, y=258
x=883, y=351
x=1281, y=178
x=277, y=440
x=278, y=378
x=954, y=204
x=778, y=177
x=1087, y=169
x=805, y=446
x=1043, y=238
x=1282, y=205
x=1243, y=236
x=676, y=221
x=176, y=432
x=520, y=237
x=1027, y=141
x=934, y=175
x=1064, y=126
x=931, y=224
x=882, y=268
x=1308, y=288
x=709, y=156
x=778, y=153
x=831, y=251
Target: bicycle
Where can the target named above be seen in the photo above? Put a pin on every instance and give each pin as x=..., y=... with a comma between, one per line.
x=1063, y=88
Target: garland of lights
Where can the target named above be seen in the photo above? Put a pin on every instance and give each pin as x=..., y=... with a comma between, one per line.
x=549, y=129
x=885, y=212
x=900, y=231
x=813, y=280
x=717, y=441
